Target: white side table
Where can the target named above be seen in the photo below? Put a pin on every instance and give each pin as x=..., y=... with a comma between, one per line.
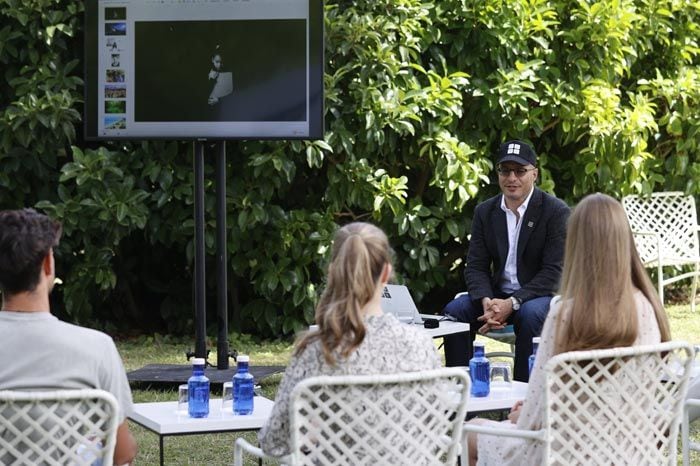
x=164, y=419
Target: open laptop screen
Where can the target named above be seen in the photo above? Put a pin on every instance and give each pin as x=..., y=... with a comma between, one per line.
x=397, y=300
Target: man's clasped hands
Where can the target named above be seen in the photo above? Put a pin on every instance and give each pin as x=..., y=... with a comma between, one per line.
x=496, y=313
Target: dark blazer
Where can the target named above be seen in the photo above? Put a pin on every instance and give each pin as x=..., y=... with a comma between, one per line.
x=540, y=248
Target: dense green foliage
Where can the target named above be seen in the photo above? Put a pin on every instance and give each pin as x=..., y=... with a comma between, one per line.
x=418, y=95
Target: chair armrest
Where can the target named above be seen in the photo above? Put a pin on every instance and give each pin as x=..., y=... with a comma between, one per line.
x=242, y=445
x=538, y=435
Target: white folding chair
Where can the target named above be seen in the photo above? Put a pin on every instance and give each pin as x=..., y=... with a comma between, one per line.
x=62, y=427
x=611, y=406
x=665, y=227
x=413, y=418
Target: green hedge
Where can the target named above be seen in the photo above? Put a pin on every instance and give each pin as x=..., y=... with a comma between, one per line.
x=418, y=95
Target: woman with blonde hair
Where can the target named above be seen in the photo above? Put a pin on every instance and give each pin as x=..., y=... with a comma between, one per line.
x=353, y=336
x=606, y=300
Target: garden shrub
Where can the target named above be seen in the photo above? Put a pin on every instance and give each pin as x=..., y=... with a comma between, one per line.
x=418, y=96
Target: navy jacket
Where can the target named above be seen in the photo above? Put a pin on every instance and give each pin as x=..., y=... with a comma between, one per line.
x=540, y=248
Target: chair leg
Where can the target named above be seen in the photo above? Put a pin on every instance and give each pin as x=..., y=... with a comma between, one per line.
x=464, y=456
x=237, y=456
x=685, y=437
x=660, y=279
x=695, y=287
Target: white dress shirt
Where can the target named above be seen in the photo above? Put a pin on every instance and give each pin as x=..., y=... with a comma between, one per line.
x=509, y=281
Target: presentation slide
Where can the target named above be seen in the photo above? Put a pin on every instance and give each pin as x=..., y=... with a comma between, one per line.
x=219, y=69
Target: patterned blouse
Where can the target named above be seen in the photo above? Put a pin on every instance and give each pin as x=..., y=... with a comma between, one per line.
x=388, y=347
x=509, y=451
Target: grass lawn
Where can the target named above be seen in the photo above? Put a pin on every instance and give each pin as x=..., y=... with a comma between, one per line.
x=217, y=449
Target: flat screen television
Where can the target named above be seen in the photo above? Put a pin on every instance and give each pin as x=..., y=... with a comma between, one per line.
x=203, y=69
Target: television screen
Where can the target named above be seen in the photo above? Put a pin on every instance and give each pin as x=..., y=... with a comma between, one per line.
x=204, y=69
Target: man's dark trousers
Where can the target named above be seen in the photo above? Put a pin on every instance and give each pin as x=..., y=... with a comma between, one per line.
x=527, y=323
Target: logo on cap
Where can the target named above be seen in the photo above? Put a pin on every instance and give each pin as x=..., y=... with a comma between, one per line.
x=513, y=149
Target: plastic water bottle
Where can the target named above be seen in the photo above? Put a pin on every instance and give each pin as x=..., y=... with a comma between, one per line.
x=198, y=390
x=243, y=383
x=479, y=369
x=531, y=359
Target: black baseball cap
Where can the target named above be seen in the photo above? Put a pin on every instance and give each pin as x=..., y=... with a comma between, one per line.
x=518, y=152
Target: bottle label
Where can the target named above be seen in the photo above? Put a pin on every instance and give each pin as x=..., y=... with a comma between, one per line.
x=481, y=377
x=198, y=399
x=201, y=394
x=243, y=394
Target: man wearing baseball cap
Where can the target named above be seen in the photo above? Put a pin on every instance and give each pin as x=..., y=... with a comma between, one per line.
x=514, y=261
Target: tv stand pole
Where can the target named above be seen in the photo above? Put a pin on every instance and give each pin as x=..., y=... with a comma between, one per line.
x=200, y=312
x=222, y=353
x=200, y=330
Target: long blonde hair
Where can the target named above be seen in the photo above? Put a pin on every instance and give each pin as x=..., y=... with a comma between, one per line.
x=601, y=271
x=360, y=253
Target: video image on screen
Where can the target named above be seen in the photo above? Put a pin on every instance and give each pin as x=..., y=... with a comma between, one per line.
x=115, y=106
x=115, y=122
x=115, y=91
x=115, y=29
x=115, y=13
x=233, y=70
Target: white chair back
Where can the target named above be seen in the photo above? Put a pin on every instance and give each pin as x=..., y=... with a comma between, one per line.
x=616, y=406
x=671, y=216
x=62, y=427
x=666, y=233
x=400, y=419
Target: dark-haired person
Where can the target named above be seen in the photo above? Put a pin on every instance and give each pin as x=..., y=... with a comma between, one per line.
x=222, y=80
x=353, y=336
x=39, y=351
x=606, y=301
x=514, y=260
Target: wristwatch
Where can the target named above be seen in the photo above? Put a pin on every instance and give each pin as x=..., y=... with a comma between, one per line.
x=516, y=303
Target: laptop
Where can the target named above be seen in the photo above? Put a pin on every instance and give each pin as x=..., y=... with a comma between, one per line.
x=397, y=300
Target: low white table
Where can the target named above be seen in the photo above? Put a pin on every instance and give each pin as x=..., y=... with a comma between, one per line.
x=447, y=327
x=163, y=419
x=498, y=399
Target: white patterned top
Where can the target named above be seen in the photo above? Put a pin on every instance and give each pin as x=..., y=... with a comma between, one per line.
x=388, y=347
x=509, y=451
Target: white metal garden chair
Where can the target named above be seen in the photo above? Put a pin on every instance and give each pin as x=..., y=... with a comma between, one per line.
x=613, y=406
x=688, y=444
x=665, y=227
x=412, y=418
x=62, y=427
